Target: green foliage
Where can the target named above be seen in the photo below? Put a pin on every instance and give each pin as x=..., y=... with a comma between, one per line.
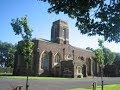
x=25, y=47
x=117, y=59
x=93, y=17
x=11, y=57
x=91, y=49
x=117, y=63
x=99, y=56
x=34, y=78
x=6, y=70
x=109, y=56
x=7, y=51
x=20, y=26
x=112, y=58
x=106, y=87
x=106, y=55
x=100, y=43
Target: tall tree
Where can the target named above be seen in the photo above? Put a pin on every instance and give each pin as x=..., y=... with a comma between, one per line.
x=93, y=17
x=25, y=47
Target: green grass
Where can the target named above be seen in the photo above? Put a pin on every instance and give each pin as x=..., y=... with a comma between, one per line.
x=32, y=77
x=5, y=74
x=106, y=87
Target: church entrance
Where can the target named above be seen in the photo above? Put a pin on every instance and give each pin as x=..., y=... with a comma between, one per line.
x=57, y=71
x=84, y=70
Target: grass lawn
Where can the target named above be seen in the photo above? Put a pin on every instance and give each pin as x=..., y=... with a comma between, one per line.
x=5, y=74
x=32, y=77
x=106, y=87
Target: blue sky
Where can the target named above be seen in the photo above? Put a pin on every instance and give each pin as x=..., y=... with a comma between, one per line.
x=41, y=21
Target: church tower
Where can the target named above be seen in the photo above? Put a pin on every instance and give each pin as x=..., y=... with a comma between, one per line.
x=60, y=32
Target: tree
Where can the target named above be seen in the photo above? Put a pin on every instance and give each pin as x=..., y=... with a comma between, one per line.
x=109, y=56
x=99, y=56
x=7, y=51
x=117, y=63
x=93, y=17
x=117, y=60
x=25, y=47
x=100, y=43
x=91, y=49
x=11, y=56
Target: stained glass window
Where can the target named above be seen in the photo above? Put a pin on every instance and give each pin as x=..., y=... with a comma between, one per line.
x=45, y=61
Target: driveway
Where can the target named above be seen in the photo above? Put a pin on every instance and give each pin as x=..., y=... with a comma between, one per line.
x=7, y=84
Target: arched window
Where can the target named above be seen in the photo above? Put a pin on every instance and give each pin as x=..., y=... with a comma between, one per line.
x=45, y=61
x=88, y=66
x=78, y=69
x=57, y=58
x=64, y=33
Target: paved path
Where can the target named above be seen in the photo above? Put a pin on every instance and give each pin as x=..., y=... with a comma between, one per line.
x=6, y=84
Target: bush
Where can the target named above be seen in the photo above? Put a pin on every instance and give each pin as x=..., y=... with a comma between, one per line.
x=6, y=70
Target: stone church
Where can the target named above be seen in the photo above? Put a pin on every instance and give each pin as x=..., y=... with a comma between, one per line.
x=57, y=57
